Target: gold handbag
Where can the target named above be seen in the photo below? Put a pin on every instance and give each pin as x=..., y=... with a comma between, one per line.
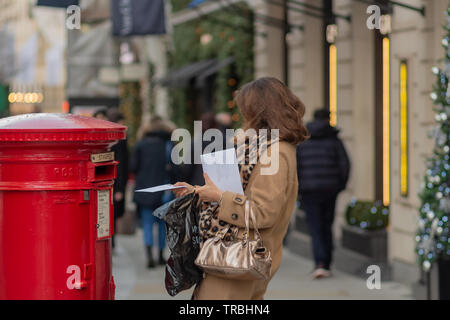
x=237, y=259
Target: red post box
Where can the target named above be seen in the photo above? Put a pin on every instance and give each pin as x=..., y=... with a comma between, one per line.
x=56, y=207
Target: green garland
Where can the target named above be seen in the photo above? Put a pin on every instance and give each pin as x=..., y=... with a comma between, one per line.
x=230, y=34
x=433, y=233
x=178, y=5
x=4, y=104
x=130, y=106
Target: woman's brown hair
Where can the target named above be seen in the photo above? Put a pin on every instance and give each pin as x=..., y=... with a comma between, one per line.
x=267, y=103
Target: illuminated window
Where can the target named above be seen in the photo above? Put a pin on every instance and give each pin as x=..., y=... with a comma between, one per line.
x=333, y=85
x=404, y=129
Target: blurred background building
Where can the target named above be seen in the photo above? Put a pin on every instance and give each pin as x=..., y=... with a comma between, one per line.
x=376, y=84
x=32, y=42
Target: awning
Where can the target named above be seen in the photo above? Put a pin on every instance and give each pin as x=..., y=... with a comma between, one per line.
x=199, y=71
x=201, y=80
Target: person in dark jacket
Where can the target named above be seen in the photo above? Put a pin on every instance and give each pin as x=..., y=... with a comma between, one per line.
x=152, y=165
x=323, y=171
x=121, y=155
x=193, y=172
x=101, y=114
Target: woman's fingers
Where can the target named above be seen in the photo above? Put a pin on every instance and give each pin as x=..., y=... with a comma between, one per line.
x=209, y=192
x=182, y=184
x=183, y=191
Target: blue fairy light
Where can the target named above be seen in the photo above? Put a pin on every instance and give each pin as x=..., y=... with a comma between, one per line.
x=430, y=255
x=363, y=224
x=445, y=218
x=373, y=210
x=385, y=211
x=421, y=252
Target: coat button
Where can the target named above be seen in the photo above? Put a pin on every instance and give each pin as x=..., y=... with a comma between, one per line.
x=234, y=216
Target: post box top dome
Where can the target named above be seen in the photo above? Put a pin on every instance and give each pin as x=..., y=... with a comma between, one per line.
x=58, y=127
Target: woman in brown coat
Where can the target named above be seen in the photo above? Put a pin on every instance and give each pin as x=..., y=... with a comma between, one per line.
x=265, y=104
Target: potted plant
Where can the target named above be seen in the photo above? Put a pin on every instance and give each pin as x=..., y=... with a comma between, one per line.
x=365, y=232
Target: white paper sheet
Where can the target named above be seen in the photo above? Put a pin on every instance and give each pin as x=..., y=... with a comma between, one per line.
x=222, y=168
x=160, y=188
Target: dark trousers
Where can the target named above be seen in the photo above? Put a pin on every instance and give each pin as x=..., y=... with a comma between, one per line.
x=119, y=209
x=319, y=208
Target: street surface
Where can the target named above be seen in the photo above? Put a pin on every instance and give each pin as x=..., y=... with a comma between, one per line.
x=292, y=282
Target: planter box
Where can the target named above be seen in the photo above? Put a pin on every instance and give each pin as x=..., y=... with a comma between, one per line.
x=372, y=244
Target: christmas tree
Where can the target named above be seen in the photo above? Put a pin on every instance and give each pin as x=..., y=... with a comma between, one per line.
x=433, y=233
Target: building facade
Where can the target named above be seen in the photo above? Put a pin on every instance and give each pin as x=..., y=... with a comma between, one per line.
x=376, y=83
x=37, y=36
x=380, y=81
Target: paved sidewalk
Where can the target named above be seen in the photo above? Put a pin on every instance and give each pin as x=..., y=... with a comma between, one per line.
x=292, y=281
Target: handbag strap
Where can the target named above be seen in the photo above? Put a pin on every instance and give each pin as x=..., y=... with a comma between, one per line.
x=249, y=214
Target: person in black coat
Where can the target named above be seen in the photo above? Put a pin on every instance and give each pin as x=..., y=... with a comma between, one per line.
x=192, y=173
x=121, y=155
x=152, y=165
x=323, y=171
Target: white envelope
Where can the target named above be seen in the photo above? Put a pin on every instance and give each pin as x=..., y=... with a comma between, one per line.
x=222, y=168
x=160, y=188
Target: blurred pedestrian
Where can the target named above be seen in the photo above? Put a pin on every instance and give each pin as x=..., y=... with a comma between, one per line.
x=323, y=169
x=224, y=121
x=101, y=114
x=265, y=103
x=152, y=165
x=121, y=155
x=193, y=172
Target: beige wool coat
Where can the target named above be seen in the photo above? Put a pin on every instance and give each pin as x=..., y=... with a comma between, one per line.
x=273, y=198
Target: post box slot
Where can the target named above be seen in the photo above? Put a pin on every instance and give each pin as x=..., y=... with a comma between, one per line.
x=104, y=173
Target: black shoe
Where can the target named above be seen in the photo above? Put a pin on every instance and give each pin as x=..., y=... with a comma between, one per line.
x=150, y=261
x=162, y=261
x=150, y=265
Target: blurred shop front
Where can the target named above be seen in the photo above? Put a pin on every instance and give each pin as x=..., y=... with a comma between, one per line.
x=375, y=78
